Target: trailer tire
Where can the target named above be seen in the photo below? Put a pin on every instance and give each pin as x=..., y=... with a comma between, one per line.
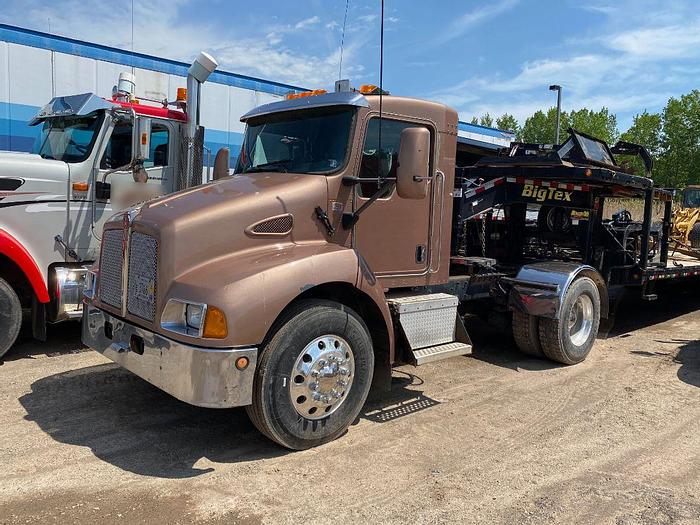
x=526, y=333
x=320, y=344
x=694, y=236
x=569, y=339
x=10, y=316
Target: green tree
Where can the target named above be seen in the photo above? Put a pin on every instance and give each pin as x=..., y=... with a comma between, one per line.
x=486, y=120
x=679, y=162
x=646, y=131
x=507, y=122
x=601, y=124
x=541, y=127
x=475, y=120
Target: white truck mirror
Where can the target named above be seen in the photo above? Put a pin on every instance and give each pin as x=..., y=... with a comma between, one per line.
x=141, y=139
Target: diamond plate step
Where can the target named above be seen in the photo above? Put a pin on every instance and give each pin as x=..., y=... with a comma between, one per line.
x=439, y=352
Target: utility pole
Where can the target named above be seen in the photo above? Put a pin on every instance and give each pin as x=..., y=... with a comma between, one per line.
x=555, y=87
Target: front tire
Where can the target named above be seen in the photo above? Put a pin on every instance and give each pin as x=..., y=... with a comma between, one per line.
x=313, y=376
x=569, y=339
x=10, y=317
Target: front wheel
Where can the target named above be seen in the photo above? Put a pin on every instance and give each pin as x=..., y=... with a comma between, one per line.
x=569, y=339
x=313, y=376
x=10, y=317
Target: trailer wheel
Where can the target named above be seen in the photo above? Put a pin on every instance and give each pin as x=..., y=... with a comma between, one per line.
x=313, y=376
x=569, y=339
x=526, y=333
x=10, y=317
x=694, y=236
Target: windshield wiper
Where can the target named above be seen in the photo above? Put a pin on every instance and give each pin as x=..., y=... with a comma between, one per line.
x=267, y=165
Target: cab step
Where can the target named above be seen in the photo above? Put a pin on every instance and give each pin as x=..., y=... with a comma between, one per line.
x=430, y=327
x=439, y=352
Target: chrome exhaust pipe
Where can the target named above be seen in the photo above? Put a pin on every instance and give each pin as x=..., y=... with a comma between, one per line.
x=203, y=66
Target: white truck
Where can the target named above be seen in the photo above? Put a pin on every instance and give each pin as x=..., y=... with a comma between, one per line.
x=93, y=157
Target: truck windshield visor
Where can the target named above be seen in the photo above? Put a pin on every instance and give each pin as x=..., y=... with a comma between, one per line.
x=69, y=139
x=305, y=141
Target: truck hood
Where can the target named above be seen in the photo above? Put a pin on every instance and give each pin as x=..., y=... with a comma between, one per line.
x=32, y=176
x=216, y=220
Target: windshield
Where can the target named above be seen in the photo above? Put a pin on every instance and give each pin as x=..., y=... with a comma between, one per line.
x=308, y=141
x=69, y=139
x=691, y=198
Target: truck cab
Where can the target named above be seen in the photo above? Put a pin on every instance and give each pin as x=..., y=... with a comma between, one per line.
x=92, y=157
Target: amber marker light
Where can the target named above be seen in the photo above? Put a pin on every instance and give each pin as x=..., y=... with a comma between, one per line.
x=215, y=326
x=181, y=94
x=242, y=363
x=80, y=186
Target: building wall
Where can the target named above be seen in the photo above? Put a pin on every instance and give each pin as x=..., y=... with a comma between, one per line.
x=34, y=67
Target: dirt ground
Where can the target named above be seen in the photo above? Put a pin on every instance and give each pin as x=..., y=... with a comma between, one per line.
x=491, y=438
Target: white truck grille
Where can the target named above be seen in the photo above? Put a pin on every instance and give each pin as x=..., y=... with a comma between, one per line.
x=143, y=276
x=111, y=263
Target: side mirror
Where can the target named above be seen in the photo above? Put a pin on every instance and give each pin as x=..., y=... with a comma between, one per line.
x=412, y=172
x=141, y=139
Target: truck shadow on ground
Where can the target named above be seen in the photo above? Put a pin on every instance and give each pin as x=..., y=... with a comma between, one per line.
x=688, y=357
x=633, y=313
x=62, y=338
x=131, y=424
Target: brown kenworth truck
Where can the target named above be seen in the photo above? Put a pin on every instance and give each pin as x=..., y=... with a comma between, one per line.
x=345, y=244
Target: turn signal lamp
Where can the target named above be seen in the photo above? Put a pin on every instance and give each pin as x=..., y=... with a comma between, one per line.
x=215, y=324
x=303, y=94
x=181, y=94
x=80, y=186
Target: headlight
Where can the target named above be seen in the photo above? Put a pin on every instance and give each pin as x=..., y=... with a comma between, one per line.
x=194, y=319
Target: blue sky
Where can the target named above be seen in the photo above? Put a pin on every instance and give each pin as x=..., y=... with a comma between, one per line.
x=479, y=56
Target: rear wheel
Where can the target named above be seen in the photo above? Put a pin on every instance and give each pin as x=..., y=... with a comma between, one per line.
x=694, y=236
x=10, y=317
x=313, y=376
x=569, y=339
x=526, y=333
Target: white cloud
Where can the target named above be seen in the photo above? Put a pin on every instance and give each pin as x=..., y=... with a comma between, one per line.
x=653, y=43
x=473, y=18
x=307, y=22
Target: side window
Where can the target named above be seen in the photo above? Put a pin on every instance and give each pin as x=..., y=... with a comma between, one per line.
x=118, y=150
x=376, y=163
x=160, y=137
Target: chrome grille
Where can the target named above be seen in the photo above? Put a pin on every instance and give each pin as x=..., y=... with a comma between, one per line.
x=111, y=263
x=143, y=276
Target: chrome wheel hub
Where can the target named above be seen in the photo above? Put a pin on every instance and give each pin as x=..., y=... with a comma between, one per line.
x=581, y=320
x=322, y=377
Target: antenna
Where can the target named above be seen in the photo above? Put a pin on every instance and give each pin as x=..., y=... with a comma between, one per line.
x=132, y=37
x=342, y=40
x=381, y=92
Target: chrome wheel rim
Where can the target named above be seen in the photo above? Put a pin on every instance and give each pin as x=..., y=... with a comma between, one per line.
x=322, y=377
x=581, y=320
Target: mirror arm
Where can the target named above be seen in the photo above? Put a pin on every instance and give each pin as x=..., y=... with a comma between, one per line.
x=350, y=218
x=351, y=181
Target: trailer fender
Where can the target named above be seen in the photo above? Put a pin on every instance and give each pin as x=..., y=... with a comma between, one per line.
x=17, y=253
x=539, y=288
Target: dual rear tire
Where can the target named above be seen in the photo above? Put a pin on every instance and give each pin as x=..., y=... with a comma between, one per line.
x=569, y=339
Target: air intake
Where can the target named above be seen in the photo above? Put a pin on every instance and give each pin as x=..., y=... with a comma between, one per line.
x=279, y=225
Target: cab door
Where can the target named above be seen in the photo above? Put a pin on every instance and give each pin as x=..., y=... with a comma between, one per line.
x=123, y=190
x=392, y=234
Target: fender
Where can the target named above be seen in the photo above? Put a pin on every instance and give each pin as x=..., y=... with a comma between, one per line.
x=539, y=288
x=254, y=288
x=13, y=250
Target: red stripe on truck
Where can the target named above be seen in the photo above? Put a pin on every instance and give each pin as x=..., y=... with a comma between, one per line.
x=13, y=250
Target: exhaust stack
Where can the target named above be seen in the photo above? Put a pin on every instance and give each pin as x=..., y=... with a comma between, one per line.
x=199, y=72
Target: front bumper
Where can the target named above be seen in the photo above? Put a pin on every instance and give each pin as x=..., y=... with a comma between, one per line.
x=205, y=377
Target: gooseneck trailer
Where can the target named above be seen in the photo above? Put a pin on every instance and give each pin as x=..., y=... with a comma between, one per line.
x=348, y=241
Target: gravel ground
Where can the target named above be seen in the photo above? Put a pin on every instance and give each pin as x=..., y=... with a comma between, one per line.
x=495, y=438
